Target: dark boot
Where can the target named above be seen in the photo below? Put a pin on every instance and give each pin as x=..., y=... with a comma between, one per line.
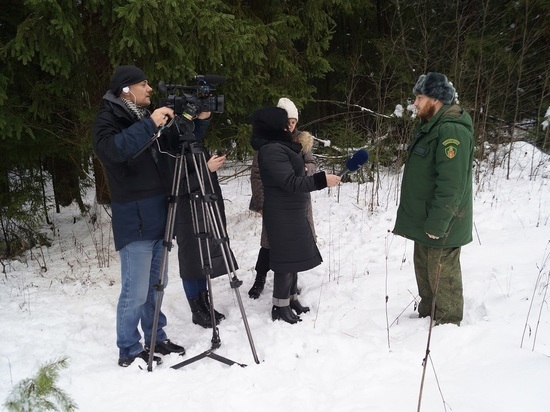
x=205, y=302
x=125, y=362
x=284, y=313
x=200, y=316
x=257, y=287
x=297, y=307
x=167, y=347
x=295, y=316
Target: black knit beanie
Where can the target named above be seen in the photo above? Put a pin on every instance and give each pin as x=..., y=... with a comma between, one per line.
x=435, y=85
x=125, y=76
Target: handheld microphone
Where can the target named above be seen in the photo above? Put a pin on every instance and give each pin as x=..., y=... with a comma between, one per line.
x=358, y=159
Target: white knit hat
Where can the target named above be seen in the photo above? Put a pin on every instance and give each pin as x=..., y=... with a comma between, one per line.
x=290, y=108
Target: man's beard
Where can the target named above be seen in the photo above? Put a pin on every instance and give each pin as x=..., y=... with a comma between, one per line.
x=427, y=111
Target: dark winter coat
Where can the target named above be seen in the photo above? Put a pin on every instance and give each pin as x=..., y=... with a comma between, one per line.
x=436, y=191
x=257, y=198
x=189, y=254
x=138, y=175
x=286, y=188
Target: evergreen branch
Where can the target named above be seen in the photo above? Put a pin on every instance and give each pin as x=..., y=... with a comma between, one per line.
x=34, y=394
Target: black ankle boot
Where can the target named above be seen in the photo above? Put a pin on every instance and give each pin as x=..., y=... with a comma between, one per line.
x=284, y=313
x=295, y=316
x=297, y=306
x=200, y=316
x=205, y=302
x=257, y=287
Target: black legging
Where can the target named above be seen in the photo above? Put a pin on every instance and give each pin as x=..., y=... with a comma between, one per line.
x=262, y=263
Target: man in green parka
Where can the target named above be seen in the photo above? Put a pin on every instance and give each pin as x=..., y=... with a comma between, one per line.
x=435, y=209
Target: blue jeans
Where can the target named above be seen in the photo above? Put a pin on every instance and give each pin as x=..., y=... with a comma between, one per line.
x=194, y=287
x=140, y=269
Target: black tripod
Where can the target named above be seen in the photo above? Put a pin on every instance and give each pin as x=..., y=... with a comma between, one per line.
x=212, y=227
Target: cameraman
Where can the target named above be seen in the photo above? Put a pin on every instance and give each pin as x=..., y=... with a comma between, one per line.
x=139, y=187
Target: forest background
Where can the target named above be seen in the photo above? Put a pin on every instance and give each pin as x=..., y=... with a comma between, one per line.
x=348, y=65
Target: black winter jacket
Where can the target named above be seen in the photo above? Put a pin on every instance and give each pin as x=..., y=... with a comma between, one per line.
x=139, y=179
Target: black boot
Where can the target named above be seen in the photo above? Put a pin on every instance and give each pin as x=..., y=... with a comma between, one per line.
x=284, y=313
x=125, y=362
x=205, y=302
x=200, y=316
x=297, y=306
x=295, y=316
x=167, y=347
x=257, y=287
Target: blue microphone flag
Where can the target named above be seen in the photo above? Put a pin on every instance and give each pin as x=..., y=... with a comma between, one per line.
x=358, y=159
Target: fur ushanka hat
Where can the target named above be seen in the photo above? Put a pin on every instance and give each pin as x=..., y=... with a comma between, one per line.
x=435, y=85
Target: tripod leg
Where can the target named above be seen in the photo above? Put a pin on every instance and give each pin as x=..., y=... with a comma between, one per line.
x=212, y=227
x=167, y=244
x=207, y=354
x=190, y=360
x=208, y=298
x=224, y=360
x=245, y=320
x=216, y=227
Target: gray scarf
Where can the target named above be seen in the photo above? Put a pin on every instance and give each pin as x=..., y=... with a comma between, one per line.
x=136, y=110
x=139, y=112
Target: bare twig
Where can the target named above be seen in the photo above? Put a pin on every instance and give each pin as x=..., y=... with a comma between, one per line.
x=438, y=385
x=404, y=309
x=432, y=316
x=540, y=275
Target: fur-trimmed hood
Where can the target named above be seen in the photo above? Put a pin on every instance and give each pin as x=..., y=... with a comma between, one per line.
x=305, y=139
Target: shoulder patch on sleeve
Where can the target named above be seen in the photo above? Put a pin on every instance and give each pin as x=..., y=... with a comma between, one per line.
x=451, y=147
x=451, y=141
x=450, y=151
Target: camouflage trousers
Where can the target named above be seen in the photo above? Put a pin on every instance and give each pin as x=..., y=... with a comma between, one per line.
x=439, y=280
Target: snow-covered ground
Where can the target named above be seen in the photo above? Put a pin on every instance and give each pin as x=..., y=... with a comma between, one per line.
x=354, y=351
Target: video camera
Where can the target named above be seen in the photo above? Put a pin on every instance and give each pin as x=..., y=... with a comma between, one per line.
x=188, y=101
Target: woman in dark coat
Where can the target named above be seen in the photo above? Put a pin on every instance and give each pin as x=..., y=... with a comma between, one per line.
x=286, y=188
x=257, y=198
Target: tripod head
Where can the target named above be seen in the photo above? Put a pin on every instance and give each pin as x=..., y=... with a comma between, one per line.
x=179, y=136
x=181, y=129
x=179, y=132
